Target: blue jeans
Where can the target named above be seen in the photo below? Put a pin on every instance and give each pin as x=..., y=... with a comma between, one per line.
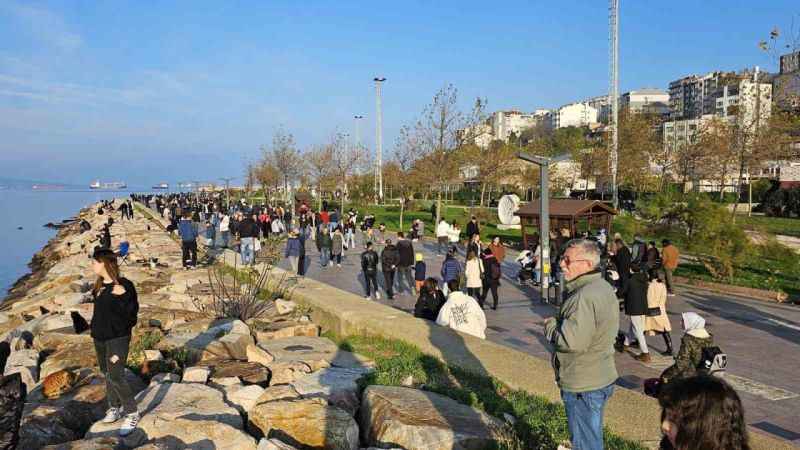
x=248, y=250
x=324, y=256
x=585, y=417
x=225, y=236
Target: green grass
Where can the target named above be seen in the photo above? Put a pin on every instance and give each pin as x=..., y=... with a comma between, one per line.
x=540, y=424
x=771, y=225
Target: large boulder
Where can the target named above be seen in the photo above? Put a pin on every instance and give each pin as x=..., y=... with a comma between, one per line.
x=306, y=423
x=247, y=372
x=25, y=363
x=243, y=397
x=228, y=340
x=70, y=356
x=410, y=418
x=180, y=415
x=274, y=444
x=335, y=385
x=285, y=329
x=316, y=352
x=101, y=443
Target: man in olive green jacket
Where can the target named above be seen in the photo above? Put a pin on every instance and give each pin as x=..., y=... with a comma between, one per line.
x=583, y=335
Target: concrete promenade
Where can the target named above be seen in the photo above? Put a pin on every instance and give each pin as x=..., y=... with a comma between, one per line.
x=761, y=339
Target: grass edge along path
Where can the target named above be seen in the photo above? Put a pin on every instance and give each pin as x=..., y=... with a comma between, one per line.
x=539, y=424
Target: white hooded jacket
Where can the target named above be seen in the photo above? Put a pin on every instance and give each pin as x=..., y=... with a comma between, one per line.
x=462, y=313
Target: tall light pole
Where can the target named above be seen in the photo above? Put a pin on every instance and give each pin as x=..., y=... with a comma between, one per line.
x=379, y=136
x=613, y=94
x=227, y=192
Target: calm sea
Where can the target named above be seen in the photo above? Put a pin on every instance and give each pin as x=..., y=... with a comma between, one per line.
x=31, y=210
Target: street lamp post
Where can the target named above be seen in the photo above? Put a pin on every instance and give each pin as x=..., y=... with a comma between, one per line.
x=379, y=136
x=544, y=216
x=227, y=192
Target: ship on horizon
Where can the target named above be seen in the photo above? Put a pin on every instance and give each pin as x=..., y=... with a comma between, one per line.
x=113, y=185
x=161, y=186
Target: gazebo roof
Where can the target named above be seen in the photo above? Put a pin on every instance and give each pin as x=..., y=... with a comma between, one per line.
x=564, y=207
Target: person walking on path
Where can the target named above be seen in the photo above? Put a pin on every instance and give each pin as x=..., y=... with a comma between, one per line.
x=225, y=229
x=188, y=231
x=652, y=258
x=337, y=246
x=430, y=300
x=442, y=236
x=622, y=262
x=451, y=269
x=638, y=250
x=419, y=271
x=324, y=244
x=116, y=309
x=474, y=245
x=472, y=228
x=390, y=257
x=293, y=251
x=301, y=260
x=455, y=236
x=405, y=250
x=657, y=321
x=491, y=276
x=248, y=233
x=669, y=260
x=473, y=271
x=635, y=294
x=689, y=356
x=369, y=266
x=462, y=313
x=498, y=250
x=582, y=334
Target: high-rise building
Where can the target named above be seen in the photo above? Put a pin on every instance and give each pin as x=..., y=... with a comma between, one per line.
x=688, y=95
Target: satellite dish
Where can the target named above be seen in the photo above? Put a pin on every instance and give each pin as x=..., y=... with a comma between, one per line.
x=506, y=207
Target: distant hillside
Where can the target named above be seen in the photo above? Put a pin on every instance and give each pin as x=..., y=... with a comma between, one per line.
x=17, y=183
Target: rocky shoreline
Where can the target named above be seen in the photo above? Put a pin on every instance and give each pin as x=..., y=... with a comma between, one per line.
x=203, y=382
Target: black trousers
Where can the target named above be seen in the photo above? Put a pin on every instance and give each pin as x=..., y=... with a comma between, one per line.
x=111, y=357
x=475, y=293
x=301, y=265
x=370, y=283
x=388, y=282
x=189, y=250
x=486, y=288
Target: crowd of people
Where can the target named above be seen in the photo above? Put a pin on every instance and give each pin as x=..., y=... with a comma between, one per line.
x=699, y=410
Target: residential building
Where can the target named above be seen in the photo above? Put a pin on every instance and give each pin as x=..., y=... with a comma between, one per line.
x=742, y=99
x=645, y=101
x=574, y=115
x=786, y=85
x=688, y=95
x=602, y=105
x=506, y=122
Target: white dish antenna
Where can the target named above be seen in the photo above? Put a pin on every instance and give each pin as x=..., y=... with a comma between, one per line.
x=506, y=207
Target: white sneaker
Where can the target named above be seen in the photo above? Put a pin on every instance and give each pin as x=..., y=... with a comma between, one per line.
x=112, y=415
x=377, y=295
x=338, y=265
x=130, y=423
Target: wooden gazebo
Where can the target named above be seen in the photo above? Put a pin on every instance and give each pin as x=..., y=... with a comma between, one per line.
x=566, y=213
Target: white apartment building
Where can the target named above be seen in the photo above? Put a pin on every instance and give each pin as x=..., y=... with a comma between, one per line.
x=647, y=101
x=741, y=101
x=506, y=122
x=575, y=115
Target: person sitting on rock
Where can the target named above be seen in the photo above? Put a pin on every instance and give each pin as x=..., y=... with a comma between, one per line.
x=115, y=314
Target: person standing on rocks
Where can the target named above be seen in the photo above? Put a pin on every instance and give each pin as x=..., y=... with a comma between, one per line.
x=187, y=229
x=116, y=308
x=369, y=265
x=582, y=334
x=389, y=259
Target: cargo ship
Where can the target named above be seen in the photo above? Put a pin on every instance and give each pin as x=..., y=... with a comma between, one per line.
x=161, y=186
x=113, y=185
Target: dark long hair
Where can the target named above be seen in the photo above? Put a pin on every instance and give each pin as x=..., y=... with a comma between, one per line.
x=112, y=268
x=707, y=412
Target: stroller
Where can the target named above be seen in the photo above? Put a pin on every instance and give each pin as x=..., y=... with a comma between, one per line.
x=527, y=263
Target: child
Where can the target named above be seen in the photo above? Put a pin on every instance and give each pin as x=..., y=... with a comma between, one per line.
x=419, y=272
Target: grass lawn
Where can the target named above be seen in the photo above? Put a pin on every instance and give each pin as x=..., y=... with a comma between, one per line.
x=540, y=424
x=770, y=225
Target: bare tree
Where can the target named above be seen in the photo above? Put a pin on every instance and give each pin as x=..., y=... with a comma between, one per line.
x=284, y=156
x=321, y=168
x=347, y=159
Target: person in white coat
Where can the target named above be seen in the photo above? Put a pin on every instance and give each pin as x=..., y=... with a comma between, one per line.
x=442, y=236
x=462, y=313
x=474, y=274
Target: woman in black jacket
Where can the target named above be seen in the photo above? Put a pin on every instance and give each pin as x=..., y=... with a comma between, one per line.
x=491, y=276
x=115, y=313
x=635, y=294
x=430, y=300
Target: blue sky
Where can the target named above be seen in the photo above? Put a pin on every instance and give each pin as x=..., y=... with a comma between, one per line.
x=156, y=90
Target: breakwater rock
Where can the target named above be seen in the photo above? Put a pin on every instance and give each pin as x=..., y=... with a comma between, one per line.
x=202, y=382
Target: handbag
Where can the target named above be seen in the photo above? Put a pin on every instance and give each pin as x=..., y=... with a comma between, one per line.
x=652, y=312
x=257, y=245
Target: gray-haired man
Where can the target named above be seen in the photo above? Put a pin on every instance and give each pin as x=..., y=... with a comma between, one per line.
x=582, y=334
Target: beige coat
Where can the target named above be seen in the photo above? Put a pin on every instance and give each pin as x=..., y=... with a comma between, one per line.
x=474, y=273
x=657, y=298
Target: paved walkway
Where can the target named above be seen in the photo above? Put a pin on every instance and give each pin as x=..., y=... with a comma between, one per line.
x=762, y=340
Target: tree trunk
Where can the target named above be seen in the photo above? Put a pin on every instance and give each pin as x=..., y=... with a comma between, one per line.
x=438, y=206
x=483, y=192
x=402, y=211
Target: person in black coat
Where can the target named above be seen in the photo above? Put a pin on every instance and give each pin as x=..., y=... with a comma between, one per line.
x=622, y=262
x=472, y=228
x=369, y=265
x=635, y=294
x=430, y=300
x=405, y=250
x=389, y=260
x=491, y=276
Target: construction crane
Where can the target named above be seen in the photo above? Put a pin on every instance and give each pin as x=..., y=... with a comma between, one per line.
x=613, y=96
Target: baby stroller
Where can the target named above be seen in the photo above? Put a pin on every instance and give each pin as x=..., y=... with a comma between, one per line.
x=527, y=264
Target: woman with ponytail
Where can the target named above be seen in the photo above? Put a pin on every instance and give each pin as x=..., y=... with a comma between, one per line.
x=115, y=312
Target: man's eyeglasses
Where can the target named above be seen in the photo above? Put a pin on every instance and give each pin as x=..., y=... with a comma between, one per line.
x=568, y=261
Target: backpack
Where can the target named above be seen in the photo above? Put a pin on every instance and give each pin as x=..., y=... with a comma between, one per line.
x=713, y=361
x=496, y=273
